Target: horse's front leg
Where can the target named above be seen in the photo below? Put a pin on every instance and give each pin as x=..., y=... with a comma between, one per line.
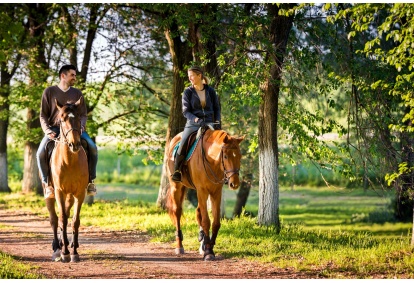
x=70, y=200
x=74, y=256
x=206, y=248
x=63, y=223
x=50, y=204
x=215, y=208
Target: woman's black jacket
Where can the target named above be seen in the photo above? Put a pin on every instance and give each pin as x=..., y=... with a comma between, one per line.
x=192, y=105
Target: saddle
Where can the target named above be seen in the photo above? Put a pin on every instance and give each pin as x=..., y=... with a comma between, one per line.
x=189, y=147
x=51, y=144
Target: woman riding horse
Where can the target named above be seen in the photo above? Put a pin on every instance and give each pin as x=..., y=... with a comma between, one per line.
x=215, y=161
x=200, y=106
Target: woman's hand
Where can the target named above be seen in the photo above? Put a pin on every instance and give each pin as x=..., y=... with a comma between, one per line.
x=201, y=122
x=217, y=125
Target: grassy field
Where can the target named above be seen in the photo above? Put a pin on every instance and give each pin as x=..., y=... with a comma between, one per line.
x=313, y=208
x=338, y=233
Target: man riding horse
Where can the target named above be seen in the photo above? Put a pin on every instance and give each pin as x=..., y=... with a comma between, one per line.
x=63, y=93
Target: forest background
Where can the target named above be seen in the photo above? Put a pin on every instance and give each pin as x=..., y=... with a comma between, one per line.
x=289, y=77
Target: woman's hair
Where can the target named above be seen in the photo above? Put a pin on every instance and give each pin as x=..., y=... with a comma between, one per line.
x=198, y=70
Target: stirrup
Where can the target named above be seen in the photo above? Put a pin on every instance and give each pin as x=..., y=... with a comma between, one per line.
x=176, y=176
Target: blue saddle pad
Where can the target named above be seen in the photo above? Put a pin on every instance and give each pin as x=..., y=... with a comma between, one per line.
x=190, y=152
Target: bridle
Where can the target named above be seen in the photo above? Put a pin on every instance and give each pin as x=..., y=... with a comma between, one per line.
x=65, y=135
x=233, y=171
x=217, y=179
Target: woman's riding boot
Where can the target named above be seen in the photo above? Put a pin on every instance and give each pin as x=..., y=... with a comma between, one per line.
x=176, y=176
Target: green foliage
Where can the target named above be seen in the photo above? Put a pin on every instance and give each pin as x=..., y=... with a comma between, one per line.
x=12, y=32
x=390, y=40
x=15, y=163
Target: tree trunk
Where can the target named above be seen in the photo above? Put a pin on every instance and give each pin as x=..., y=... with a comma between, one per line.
x=31, y=180
x=268, y=213
x=405, y=193
x=412, y=231
x=242, y=195
x=72, y=44
x=268, y=148
x=4, y=124
x=181, y=57
x=37, y=18
x=93, y=26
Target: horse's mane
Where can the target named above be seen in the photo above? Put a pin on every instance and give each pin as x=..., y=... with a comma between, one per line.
x=217, y=136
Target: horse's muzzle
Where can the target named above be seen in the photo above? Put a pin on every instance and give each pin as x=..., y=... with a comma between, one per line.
x=234, y=183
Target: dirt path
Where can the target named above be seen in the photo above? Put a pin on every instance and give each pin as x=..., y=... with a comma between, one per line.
x=112, y=255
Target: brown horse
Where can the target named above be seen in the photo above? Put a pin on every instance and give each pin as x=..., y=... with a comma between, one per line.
x=215, y=161
x=69, y=176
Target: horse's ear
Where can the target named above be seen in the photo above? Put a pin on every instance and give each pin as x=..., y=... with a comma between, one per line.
x=239, y=139
x=58, y=106
x=77, y=103
x=226, y=139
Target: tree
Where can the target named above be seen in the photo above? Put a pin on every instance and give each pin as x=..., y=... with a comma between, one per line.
x=379, y=33
x=10, y=57
x=397, y=29
x=35, y=28
x=125, y=68
x=278, y=34
x=183, y=28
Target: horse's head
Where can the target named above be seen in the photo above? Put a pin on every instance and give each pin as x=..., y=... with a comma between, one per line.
x=70, y=124
x=231, y=157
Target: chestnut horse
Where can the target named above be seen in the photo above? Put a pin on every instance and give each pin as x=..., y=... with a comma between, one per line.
x=215, y=161
x=69, y=176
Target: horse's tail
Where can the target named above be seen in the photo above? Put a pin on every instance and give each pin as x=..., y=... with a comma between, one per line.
x=167, y=200
x=169, y=204
x=172, y=206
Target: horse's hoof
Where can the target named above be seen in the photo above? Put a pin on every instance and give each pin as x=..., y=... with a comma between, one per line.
x=209, y=257
x=56, y=255
x=65, y=258
x=179, y=251
x=74, y=258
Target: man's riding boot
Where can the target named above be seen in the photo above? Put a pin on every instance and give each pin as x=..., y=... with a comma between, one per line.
x=176, y=176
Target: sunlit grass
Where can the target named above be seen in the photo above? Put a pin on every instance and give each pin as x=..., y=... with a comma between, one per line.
x=11, y=268
x=130, y=192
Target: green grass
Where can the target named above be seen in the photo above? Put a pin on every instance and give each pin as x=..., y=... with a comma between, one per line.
x=113, y=192
x=11, y=268
x=324, y=231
